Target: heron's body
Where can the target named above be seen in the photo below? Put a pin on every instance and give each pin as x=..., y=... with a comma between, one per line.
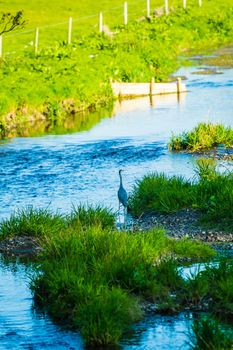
x=122, y=196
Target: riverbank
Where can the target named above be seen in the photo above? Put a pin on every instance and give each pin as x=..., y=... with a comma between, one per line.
x=67, y=79
x=184, y=224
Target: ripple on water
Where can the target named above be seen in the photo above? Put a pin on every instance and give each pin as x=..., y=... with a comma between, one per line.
x=21, y=327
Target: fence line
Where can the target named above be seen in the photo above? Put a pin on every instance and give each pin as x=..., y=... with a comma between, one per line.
x=148, y=8
x=125, y=13
x=36, y=40
x=99, y=22
x=166, y=7
x=70, y=31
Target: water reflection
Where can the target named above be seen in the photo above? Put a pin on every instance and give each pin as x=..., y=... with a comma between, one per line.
x=143, y=103
x=163, y=333
x=20, y=326
x=73, y=122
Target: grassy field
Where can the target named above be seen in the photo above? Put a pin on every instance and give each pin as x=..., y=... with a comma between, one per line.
x=62, y=80
x=52, y=18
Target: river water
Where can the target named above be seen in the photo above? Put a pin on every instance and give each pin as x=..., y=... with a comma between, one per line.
x=59, y=171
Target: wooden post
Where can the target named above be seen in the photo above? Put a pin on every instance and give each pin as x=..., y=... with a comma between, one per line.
x=0, y=46
x=184, y=4
x=101, y=23
x=36, y=40
x=166, y=7
x=70, y=31
x=148, y=8
x=152, y=85
x=125, y=13
x=200, y=3
x=179, y=87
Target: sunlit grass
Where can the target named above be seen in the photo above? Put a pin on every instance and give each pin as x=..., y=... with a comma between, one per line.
x=94, y=279
x=82, y=71
x=203, y=136
x=211, y=194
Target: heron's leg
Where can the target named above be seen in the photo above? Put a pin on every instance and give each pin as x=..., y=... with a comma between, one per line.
x=125, y=212
x=119, y=213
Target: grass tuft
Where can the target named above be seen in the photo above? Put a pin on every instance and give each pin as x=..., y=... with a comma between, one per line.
x=208, y=335
x=86, y=216
x=158, y=192
x=203, y=136
x=212, y=195
x=31, y=222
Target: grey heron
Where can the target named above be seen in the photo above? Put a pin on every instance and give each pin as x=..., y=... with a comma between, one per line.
x=122, y=195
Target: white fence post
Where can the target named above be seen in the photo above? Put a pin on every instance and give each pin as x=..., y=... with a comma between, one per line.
x=166, y=7
x=148, y=8
x=125, y=13
x=70, y=31
x=184, y=4
x=36, y=40
x=200, y=3
x=0, y=45
x=101, y=23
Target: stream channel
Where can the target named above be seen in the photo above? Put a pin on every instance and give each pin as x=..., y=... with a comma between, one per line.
x=58, y=171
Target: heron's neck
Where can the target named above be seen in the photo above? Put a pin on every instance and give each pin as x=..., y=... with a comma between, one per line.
x=120, y=179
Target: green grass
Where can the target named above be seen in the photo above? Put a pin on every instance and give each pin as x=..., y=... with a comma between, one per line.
x=203, y=136
x=211, y=194
x=43, y=222
x=208, y=335
x=31, y=222
x=194, y=250
x=158, y=192
x=214, y=287
x=87, y=216
x=75, y=78
x=94, y=279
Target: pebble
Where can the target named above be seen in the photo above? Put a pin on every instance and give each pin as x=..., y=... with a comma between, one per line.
x=184, y=224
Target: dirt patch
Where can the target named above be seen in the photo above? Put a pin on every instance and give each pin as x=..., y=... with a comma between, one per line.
x=222, y=58
x=184, y=223
x=20, y=246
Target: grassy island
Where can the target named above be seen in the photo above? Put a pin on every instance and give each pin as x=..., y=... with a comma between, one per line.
x=98, y=280
x=204, y=136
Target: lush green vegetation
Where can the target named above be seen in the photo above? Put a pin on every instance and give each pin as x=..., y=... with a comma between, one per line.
x=69, y=79
x=214, y=287
x=208, y=335
x=212, y=194
x=42, y=222
x=93, y=277
x=203, y=136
